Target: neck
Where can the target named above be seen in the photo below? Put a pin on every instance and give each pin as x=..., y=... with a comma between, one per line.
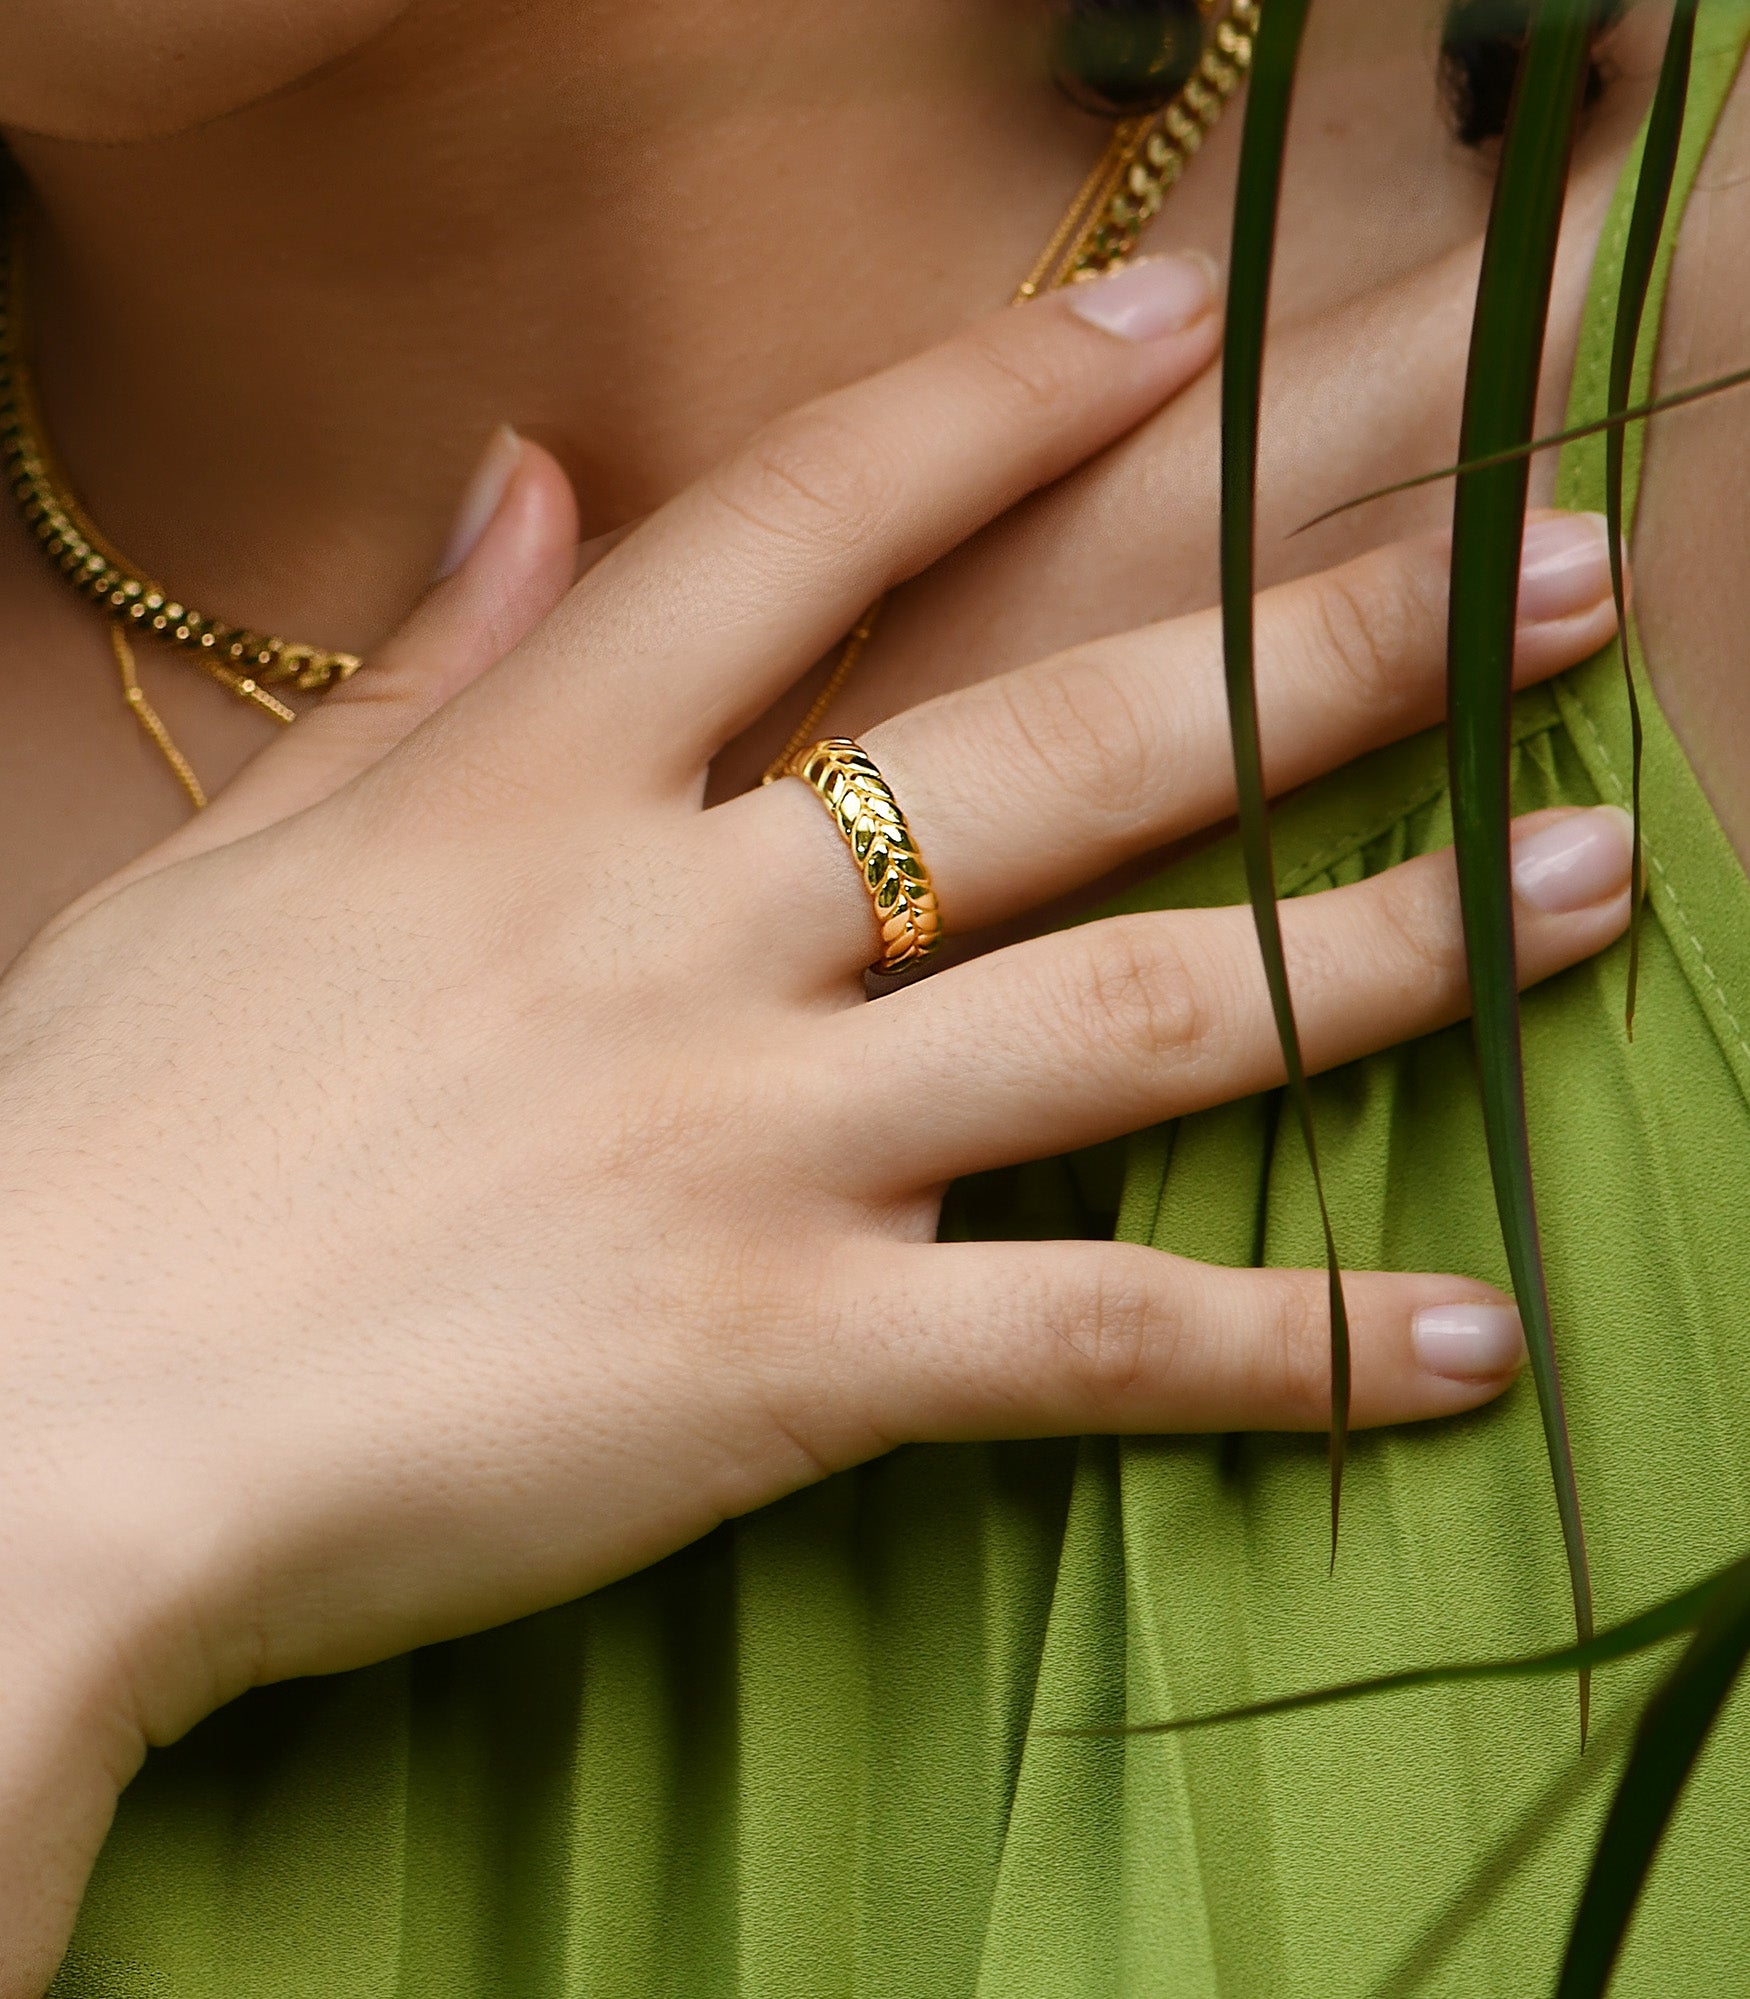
x=271, y=345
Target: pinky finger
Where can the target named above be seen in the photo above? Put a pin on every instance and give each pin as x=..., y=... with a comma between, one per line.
x=985, y=1340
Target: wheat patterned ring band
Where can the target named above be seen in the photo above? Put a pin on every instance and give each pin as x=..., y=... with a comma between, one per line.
x=843, y=776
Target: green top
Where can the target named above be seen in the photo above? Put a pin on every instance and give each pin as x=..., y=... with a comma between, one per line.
x=794, y=1761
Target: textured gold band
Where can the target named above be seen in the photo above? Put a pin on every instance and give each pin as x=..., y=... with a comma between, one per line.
x=862, y=804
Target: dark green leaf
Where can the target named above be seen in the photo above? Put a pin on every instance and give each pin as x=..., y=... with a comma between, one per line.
x=1677, y=1722
x=1269, y=101
x=1500, y=406
x=1675, y=399
x=1683, y=1612
x=1641, y=249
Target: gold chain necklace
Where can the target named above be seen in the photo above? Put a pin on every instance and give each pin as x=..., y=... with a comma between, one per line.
x=1098, y=233
x=247, y=663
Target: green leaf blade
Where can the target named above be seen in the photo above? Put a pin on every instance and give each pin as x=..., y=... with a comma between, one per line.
x=1501, y=388
x=1673, y=399
x=1269, y=100
x=1673, y=1731
x=1682, y=1612
x=1640, y=253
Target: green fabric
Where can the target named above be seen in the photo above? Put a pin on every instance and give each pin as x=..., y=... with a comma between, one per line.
x=794, y=1762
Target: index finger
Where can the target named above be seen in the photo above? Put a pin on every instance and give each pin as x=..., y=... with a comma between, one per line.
x=738, y=585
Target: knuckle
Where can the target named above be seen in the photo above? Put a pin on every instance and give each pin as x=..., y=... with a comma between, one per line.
x=809, y=480
x=1295, y=1356
x=1421, y=943
x=1391, y=949
x=449, y=776
x=1112, y=1331
x=1081, y=729
x=1029, y=377
x=1363, y=631
x=1137, y=992
x=767, y=1335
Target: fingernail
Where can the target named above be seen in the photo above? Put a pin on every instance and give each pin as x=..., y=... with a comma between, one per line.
x=480, y=501
x=1571, y=863
x=1565, y=568
x=1148, y=299
x=1468, y=1342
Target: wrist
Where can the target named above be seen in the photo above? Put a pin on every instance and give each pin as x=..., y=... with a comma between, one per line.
x=68, y=1745
x=103, y=1647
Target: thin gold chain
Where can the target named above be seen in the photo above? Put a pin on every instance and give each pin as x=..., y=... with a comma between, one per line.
x=241, y=659
x=1099, y=232
x=1118, y=152
x=149, y=720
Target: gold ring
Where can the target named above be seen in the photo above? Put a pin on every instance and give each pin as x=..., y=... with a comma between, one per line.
x=843, y=776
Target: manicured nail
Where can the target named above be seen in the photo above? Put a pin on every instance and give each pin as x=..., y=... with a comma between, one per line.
x=480, y=501
x=1572, y=863
x=1468, y=1342
x=1149, y=299
x=1565, y=568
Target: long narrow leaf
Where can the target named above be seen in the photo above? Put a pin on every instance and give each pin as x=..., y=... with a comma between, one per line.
x=1640, y=251
x=1616, y=420
x=1677, y=1722
x=1269, y=101
x=1683, y=1612
x=1500, y=407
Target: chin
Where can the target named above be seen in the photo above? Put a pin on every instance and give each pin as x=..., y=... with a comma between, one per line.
x=111, y=71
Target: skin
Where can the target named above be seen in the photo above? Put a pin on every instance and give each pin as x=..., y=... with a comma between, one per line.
x=196, y=1238
x=1694, y=592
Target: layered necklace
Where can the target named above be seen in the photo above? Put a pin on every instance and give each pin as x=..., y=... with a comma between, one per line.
x=1098, y=233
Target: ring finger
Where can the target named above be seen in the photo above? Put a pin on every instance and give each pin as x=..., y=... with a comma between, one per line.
x=1039, y=780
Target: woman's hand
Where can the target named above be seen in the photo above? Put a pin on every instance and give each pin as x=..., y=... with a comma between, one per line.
x=1358, y=395
x=461, y=1168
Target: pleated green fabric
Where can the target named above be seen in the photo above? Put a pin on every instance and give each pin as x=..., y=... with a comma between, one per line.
x=802, y=1760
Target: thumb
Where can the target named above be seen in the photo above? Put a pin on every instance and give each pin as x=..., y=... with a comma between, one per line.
x=512, y=557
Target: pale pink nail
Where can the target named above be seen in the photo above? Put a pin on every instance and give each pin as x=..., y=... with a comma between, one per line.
x=1147, y=300
x=1468, y=1342
x=1569, y=864
x=1565, y=568
x=481, y=500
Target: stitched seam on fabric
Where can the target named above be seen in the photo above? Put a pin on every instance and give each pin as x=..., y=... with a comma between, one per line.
x=1587, y=395
x=1353, y=841
x=1669, y=888
x=1355, y=838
